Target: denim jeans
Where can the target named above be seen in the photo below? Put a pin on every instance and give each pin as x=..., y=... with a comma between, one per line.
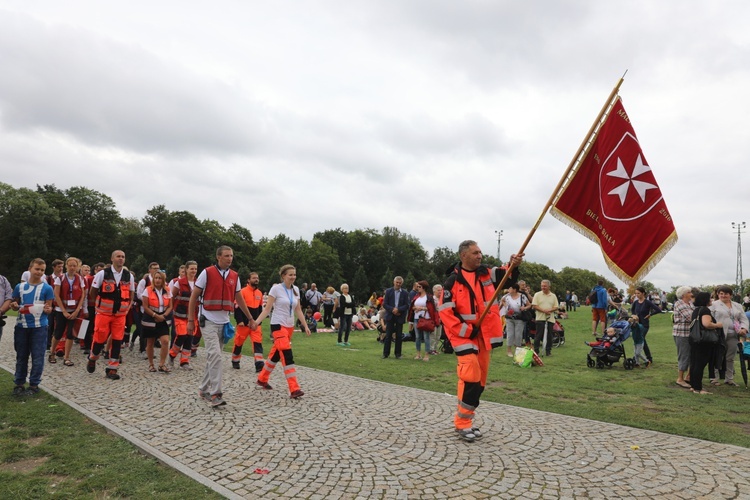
x=29, y=342
x=345, y=326
x=421, y=336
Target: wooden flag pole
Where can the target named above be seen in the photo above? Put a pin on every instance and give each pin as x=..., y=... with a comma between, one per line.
x=582, y=150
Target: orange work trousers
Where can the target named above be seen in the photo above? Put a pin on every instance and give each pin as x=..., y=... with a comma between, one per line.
x=281, y=350
x=472, y=377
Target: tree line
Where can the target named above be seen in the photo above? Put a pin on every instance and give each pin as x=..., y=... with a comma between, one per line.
x=52, y=223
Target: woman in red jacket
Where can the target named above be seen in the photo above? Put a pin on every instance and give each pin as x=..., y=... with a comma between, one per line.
x=423, y=306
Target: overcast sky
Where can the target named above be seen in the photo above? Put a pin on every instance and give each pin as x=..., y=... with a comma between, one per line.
x=446, y=119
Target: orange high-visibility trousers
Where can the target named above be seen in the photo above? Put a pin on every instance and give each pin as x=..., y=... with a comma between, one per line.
x=472, y=377
x=256, y=337
x=182, y=342
x=281, y=350
x=104, y=325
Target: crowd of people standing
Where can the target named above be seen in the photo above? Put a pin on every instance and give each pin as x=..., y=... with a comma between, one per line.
x=173, y=315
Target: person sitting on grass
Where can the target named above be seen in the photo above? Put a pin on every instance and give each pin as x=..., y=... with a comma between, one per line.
x=364, y=319
x=312, y=323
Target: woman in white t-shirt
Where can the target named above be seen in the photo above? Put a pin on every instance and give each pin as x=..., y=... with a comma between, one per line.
x=157, y=305
x=514, y=303
x=283, y=306
x=422, y=306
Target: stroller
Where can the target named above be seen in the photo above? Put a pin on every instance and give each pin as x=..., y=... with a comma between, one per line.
x=610, y=350
x=558, y=333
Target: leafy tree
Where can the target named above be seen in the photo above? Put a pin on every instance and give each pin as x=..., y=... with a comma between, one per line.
x=386, y=281
x=533, y=273
x=359, y=287
x=26, y=220
x=273, y=254
x=132, y=238
x=441, y=260
x=319, y=263
x=577, y=280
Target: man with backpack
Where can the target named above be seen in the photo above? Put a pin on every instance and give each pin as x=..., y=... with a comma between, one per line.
x=599, y=300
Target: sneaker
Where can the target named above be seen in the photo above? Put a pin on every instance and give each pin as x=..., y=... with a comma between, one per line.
x=236, y=365
x=31, y=391
x=186, y=367
x=216, y=400
x=474, y=430
x=347, y=344
x=648, y=364
x=112, y=374
x=171, y=362
x=264, y=385
x=466, y=434
x=194, y=354
x=130, y=347
x=144, y=355
x=204, y=395
x=297, y=394
x=19, y=390
x=91, y=366
x=340, y=344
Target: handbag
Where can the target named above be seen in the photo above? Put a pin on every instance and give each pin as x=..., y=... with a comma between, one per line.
x=426, y=324
x=526, y=315
x=701, y=335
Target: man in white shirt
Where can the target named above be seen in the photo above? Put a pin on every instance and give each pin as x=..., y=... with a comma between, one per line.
x=220, y=288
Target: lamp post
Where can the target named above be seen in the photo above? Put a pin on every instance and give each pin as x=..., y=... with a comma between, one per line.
x=499, y=234
x=739, y=226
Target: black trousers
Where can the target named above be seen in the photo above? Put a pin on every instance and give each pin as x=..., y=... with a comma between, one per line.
x=391, y=327
x=538, y=338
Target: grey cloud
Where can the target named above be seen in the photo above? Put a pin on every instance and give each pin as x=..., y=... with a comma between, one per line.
x=111, y=94
x=474, y=135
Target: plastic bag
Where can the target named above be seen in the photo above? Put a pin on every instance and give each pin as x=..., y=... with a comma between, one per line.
x=523, y=357
x=228, y=332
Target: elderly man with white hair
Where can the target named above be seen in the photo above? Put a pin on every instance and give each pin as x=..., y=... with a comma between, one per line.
x=683, y=312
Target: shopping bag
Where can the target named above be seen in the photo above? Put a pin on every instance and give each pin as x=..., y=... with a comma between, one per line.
x=519, y=355
x=80, y=327
x=228, y=332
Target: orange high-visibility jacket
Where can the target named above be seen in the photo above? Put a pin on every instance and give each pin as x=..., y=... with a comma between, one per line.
x=465, y=297
x=153, y=304
x=111, y=296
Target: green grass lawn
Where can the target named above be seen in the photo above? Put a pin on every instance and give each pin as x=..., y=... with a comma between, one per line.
x=644, y=398
x=49, y=449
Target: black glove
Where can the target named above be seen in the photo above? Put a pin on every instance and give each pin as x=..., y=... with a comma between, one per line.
x=474, y=332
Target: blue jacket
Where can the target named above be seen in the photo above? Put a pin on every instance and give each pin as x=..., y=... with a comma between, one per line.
x=602, y=297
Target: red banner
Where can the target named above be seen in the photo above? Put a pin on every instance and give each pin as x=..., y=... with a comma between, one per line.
x=613, y=199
